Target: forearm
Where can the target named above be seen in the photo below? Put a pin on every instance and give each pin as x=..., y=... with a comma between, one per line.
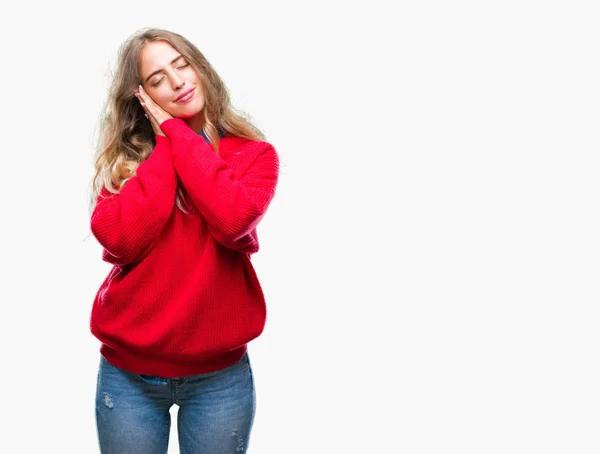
x=128, y=224
x=232, y=206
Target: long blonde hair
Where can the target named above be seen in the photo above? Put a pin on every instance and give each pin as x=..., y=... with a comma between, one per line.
x=126, y=138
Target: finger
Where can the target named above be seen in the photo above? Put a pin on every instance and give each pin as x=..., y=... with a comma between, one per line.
x=149, y=111
x=143, y=94
x=145, y=108
x=142, y=103
x=140, y=95
x=146, y=114
x=153, y=109
x=147, y=102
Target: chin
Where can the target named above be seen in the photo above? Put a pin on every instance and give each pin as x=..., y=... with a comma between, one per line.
x=191, y=113
x=186, y=115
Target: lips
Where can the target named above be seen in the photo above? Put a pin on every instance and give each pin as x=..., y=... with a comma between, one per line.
x=185, y=96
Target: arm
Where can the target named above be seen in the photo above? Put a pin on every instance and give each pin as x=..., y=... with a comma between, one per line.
x=128, y=224
x=232, y=207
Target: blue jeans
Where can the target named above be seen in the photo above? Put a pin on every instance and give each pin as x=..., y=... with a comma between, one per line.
x=216, y=410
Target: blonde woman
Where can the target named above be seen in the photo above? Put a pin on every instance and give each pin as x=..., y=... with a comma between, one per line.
x=181, y=182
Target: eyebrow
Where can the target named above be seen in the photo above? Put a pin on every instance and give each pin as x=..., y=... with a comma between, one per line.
x=160, y=70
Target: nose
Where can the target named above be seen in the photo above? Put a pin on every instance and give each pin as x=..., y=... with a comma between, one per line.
x=177, y=82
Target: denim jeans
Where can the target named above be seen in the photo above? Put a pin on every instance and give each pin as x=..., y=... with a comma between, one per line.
x=216, y=410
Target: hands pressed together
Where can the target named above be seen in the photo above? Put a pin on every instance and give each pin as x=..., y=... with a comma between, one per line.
x=154, y=112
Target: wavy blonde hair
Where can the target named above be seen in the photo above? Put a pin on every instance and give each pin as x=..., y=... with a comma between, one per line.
x=126, y=138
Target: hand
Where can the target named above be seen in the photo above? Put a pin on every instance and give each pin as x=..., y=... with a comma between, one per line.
x=154, y=112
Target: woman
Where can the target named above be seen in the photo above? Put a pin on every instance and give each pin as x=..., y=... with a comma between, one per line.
x=181, y=183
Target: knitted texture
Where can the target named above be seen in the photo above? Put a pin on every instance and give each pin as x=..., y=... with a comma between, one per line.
x=183, y=297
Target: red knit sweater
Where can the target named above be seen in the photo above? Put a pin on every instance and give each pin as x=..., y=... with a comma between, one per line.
x=183, y=297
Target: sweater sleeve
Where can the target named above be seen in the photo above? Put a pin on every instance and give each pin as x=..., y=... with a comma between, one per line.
x=232, y=207
x=128, y=224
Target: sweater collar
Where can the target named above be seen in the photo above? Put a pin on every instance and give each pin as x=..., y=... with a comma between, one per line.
x=221, y=134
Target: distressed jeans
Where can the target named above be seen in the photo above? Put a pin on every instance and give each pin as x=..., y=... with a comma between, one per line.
x=216, y=410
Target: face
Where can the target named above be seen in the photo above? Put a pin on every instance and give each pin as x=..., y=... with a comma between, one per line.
x=166, y=76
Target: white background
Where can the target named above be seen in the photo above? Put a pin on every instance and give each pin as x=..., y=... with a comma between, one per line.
x=431, y=258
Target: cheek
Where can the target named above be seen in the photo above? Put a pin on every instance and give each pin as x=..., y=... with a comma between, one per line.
x=161, y=101
x=164, y=103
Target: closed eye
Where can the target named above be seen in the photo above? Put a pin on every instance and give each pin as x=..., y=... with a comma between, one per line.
x=179, y=67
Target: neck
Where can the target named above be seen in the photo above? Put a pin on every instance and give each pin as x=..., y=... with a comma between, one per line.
x=196, y=122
